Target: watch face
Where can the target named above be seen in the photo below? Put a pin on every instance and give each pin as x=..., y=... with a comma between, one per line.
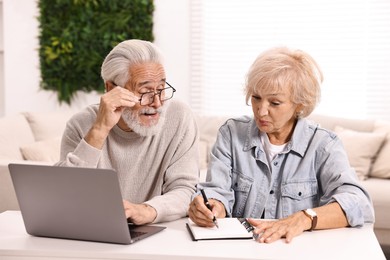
x=311, y=212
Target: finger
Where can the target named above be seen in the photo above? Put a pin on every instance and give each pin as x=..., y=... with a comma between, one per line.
x=202, y=208
x=271, y=235
x=259, y=225
x=127, y=95
x=128, y=212
x=260, y=235
x=199, y=213
x=217, y=208
x=202, y=223
x=254, y=222
x=127, y=206
x=275, y=232
x=199, y=221
x=289, y=237
x=123, y=101
x=129, y=99
x=120, y=97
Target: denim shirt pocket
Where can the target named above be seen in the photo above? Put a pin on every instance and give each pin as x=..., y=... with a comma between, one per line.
x=241, y=185
x=299, y=195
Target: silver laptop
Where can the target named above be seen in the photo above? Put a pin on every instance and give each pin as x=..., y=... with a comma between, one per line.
x=74, y=203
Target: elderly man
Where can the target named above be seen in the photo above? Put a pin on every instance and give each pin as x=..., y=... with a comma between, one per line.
x=150, y=140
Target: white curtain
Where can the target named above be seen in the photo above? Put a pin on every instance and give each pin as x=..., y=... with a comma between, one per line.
x=350, y=39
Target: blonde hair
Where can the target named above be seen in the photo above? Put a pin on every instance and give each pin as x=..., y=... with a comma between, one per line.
x=282, y=67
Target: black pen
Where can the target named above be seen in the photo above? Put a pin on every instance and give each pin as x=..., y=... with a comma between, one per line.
x=206, y=201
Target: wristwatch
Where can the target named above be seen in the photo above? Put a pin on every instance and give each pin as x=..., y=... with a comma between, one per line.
x=313, y=216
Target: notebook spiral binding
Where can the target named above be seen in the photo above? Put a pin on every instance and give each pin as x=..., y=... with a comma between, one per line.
x=246, y=224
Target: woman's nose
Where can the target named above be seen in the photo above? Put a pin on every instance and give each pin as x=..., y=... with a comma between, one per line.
x=262, y=110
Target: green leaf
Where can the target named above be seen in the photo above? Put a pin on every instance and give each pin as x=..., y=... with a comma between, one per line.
x=75, y=40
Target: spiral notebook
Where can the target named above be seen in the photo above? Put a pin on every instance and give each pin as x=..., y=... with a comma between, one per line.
x=229, y=228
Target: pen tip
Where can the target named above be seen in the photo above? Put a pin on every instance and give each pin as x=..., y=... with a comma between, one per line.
x=215, y=223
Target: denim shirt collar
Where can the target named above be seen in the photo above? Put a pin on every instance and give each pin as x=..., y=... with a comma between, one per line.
x=252, y=137
x=302, y=134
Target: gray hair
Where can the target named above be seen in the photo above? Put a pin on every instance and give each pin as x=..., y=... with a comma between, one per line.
x=282, y=67
x=116, y=65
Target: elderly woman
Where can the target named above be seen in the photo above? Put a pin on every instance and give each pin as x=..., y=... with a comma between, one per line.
x=279, y=165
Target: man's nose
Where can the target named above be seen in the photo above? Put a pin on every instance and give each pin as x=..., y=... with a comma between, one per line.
x=156, y=100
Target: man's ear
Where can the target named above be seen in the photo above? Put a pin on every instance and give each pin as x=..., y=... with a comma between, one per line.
x=109, y=85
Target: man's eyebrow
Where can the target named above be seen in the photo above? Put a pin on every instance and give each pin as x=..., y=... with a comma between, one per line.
x=141, y=84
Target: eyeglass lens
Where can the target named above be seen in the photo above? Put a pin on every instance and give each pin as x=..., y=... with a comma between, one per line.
x=164, y=94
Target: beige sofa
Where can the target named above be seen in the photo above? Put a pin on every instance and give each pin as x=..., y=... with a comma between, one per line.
x=35, y=138
x=30, y=138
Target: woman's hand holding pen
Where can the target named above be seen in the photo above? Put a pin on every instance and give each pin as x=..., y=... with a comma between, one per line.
x=201, y=215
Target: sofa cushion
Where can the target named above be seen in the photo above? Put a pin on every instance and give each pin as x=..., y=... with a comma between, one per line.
x=381, y=166
x=208, y=127
x=47, y=125
x=380, y=195
x=14, y=132
x=203, y=154
x=361, y=147
x=8, y=199
x=46, y=150
x=330, y=122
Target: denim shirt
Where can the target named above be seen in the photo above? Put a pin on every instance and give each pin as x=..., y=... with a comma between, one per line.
x=312, y=171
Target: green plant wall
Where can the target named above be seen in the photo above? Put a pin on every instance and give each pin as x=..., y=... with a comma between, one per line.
x=76, y=35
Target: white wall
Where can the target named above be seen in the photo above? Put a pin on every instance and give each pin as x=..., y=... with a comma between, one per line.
x=172, y=35
x=21, y=62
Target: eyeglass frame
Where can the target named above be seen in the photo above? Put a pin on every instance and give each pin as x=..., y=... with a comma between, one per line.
x=158, y=93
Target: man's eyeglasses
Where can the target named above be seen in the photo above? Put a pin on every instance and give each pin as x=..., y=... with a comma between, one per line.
x=164, y=94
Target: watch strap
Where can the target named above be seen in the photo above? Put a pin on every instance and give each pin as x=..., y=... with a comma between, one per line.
x=313, y=216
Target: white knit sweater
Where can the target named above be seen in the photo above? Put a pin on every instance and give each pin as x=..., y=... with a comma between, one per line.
x=161, y=170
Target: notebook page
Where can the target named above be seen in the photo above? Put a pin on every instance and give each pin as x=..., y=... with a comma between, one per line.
x=229, y=228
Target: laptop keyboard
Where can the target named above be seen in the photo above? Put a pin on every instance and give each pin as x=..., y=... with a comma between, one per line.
x=135, y=234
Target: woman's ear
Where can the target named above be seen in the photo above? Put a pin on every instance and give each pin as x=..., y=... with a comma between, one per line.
x=109, y=85
x=299, y=111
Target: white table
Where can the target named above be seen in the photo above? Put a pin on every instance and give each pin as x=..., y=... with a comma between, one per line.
x=175, y=243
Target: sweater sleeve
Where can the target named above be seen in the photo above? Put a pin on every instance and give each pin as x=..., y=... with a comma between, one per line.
x=75, y=151
x=182, y=175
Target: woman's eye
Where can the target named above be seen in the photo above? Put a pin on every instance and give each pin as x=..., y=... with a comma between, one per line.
x=256, y=97
x=275, y=103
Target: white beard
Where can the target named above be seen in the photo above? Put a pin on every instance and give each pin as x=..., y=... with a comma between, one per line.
x=132, y=119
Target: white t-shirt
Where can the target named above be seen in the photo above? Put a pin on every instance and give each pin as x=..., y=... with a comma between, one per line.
x=271, y=150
